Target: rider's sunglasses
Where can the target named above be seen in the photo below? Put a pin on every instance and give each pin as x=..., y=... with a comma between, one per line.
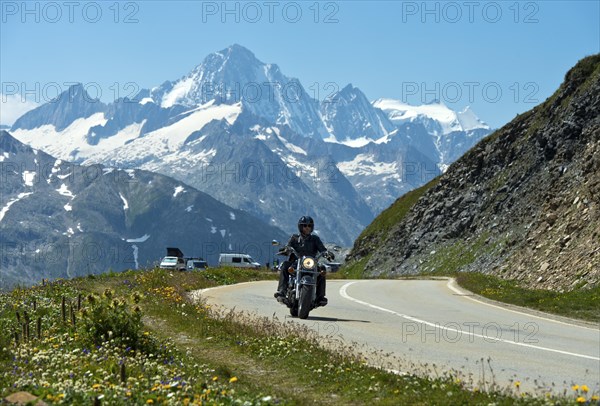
x=307, y=225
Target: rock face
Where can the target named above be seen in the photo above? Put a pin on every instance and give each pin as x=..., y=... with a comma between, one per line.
x=523, y=204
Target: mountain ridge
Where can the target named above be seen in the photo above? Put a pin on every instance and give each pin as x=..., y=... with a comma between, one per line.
x=176, y=129
x=59, y=219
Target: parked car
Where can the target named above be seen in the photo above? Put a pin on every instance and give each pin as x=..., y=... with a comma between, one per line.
x=176, y=260
x=197, y=264
x=238, y=261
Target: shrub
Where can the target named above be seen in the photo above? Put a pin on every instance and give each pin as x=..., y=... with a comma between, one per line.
x=107, y=318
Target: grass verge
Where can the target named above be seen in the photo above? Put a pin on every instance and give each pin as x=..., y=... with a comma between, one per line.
x=581, y=304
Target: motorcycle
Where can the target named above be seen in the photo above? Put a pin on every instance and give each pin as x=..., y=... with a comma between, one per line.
x=301, y=294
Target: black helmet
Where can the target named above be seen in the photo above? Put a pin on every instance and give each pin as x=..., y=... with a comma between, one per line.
x=305, y=220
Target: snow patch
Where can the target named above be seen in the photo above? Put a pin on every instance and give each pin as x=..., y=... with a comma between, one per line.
x=178, y=190
x=178, y=92
x=125, y=204
x=352, y=143
x=64, y=191
x=139, y=239
x=135, y=255
x=164, y=145
x=11, y=202
x=69, y=143
x=365, y=164
x=293, y=148
x=28, y=178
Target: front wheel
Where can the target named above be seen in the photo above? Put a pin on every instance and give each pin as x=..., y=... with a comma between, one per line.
x=294, y=310
x=304, y=305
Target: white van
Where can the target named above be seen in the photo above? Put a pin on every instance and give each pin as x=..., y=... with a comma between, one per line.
x=172, y=263
x=173, y=260
x=238, y=261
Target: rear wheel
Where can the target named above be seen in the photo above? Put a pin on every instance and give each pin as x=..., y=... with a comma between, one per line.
x=304, y=305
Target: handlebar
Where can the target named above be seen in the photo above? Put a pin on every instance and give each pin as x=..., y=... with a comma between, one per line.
x=286, y=251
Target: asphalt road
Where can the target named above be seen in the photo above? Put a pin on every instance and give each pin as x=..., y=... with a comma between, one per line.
x=433, y=326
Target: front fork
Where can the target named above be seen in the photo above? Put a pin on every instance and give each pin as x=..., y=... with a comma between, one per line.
x=309, y=280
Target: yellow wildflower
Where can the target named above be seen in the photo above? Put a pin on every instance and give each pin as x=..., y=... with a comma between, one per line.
x=150, y=401
x=584, y=388
x=233, y=379
x=580, y=399
x=518, y=384
x=215, y=378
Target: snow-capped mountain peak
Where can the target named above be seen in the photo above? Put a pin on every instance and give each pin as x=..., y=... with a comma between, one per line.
x=235, y=75
x=350, y=118
x=436, y=116
x=72, y=104
x=469, y=121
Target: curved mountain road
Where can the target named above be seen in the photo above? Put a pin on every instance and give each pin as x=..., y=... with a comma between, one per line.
x=434, y=326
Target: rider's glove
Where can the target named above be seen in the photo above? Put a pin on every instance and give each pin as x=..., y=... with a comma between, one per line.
x=329, y=255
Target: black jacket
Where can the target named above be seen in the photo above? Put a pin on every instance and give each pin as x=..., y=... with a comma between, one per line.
x=306, y=245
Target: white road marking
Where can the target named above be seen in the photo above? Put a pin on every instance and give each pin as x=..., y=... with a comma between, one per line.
x=344, y=294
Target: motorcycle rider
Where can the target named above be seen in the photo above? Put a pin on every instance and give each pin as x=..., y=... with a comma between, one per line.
x=308, y=244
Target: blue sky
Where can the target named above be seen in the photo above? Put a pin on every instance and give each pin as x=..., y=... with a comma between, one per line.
x=501, y=58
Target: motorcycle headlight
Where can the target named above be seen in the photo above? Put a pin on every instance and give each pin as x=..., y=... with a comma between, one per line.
x=308, y=263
